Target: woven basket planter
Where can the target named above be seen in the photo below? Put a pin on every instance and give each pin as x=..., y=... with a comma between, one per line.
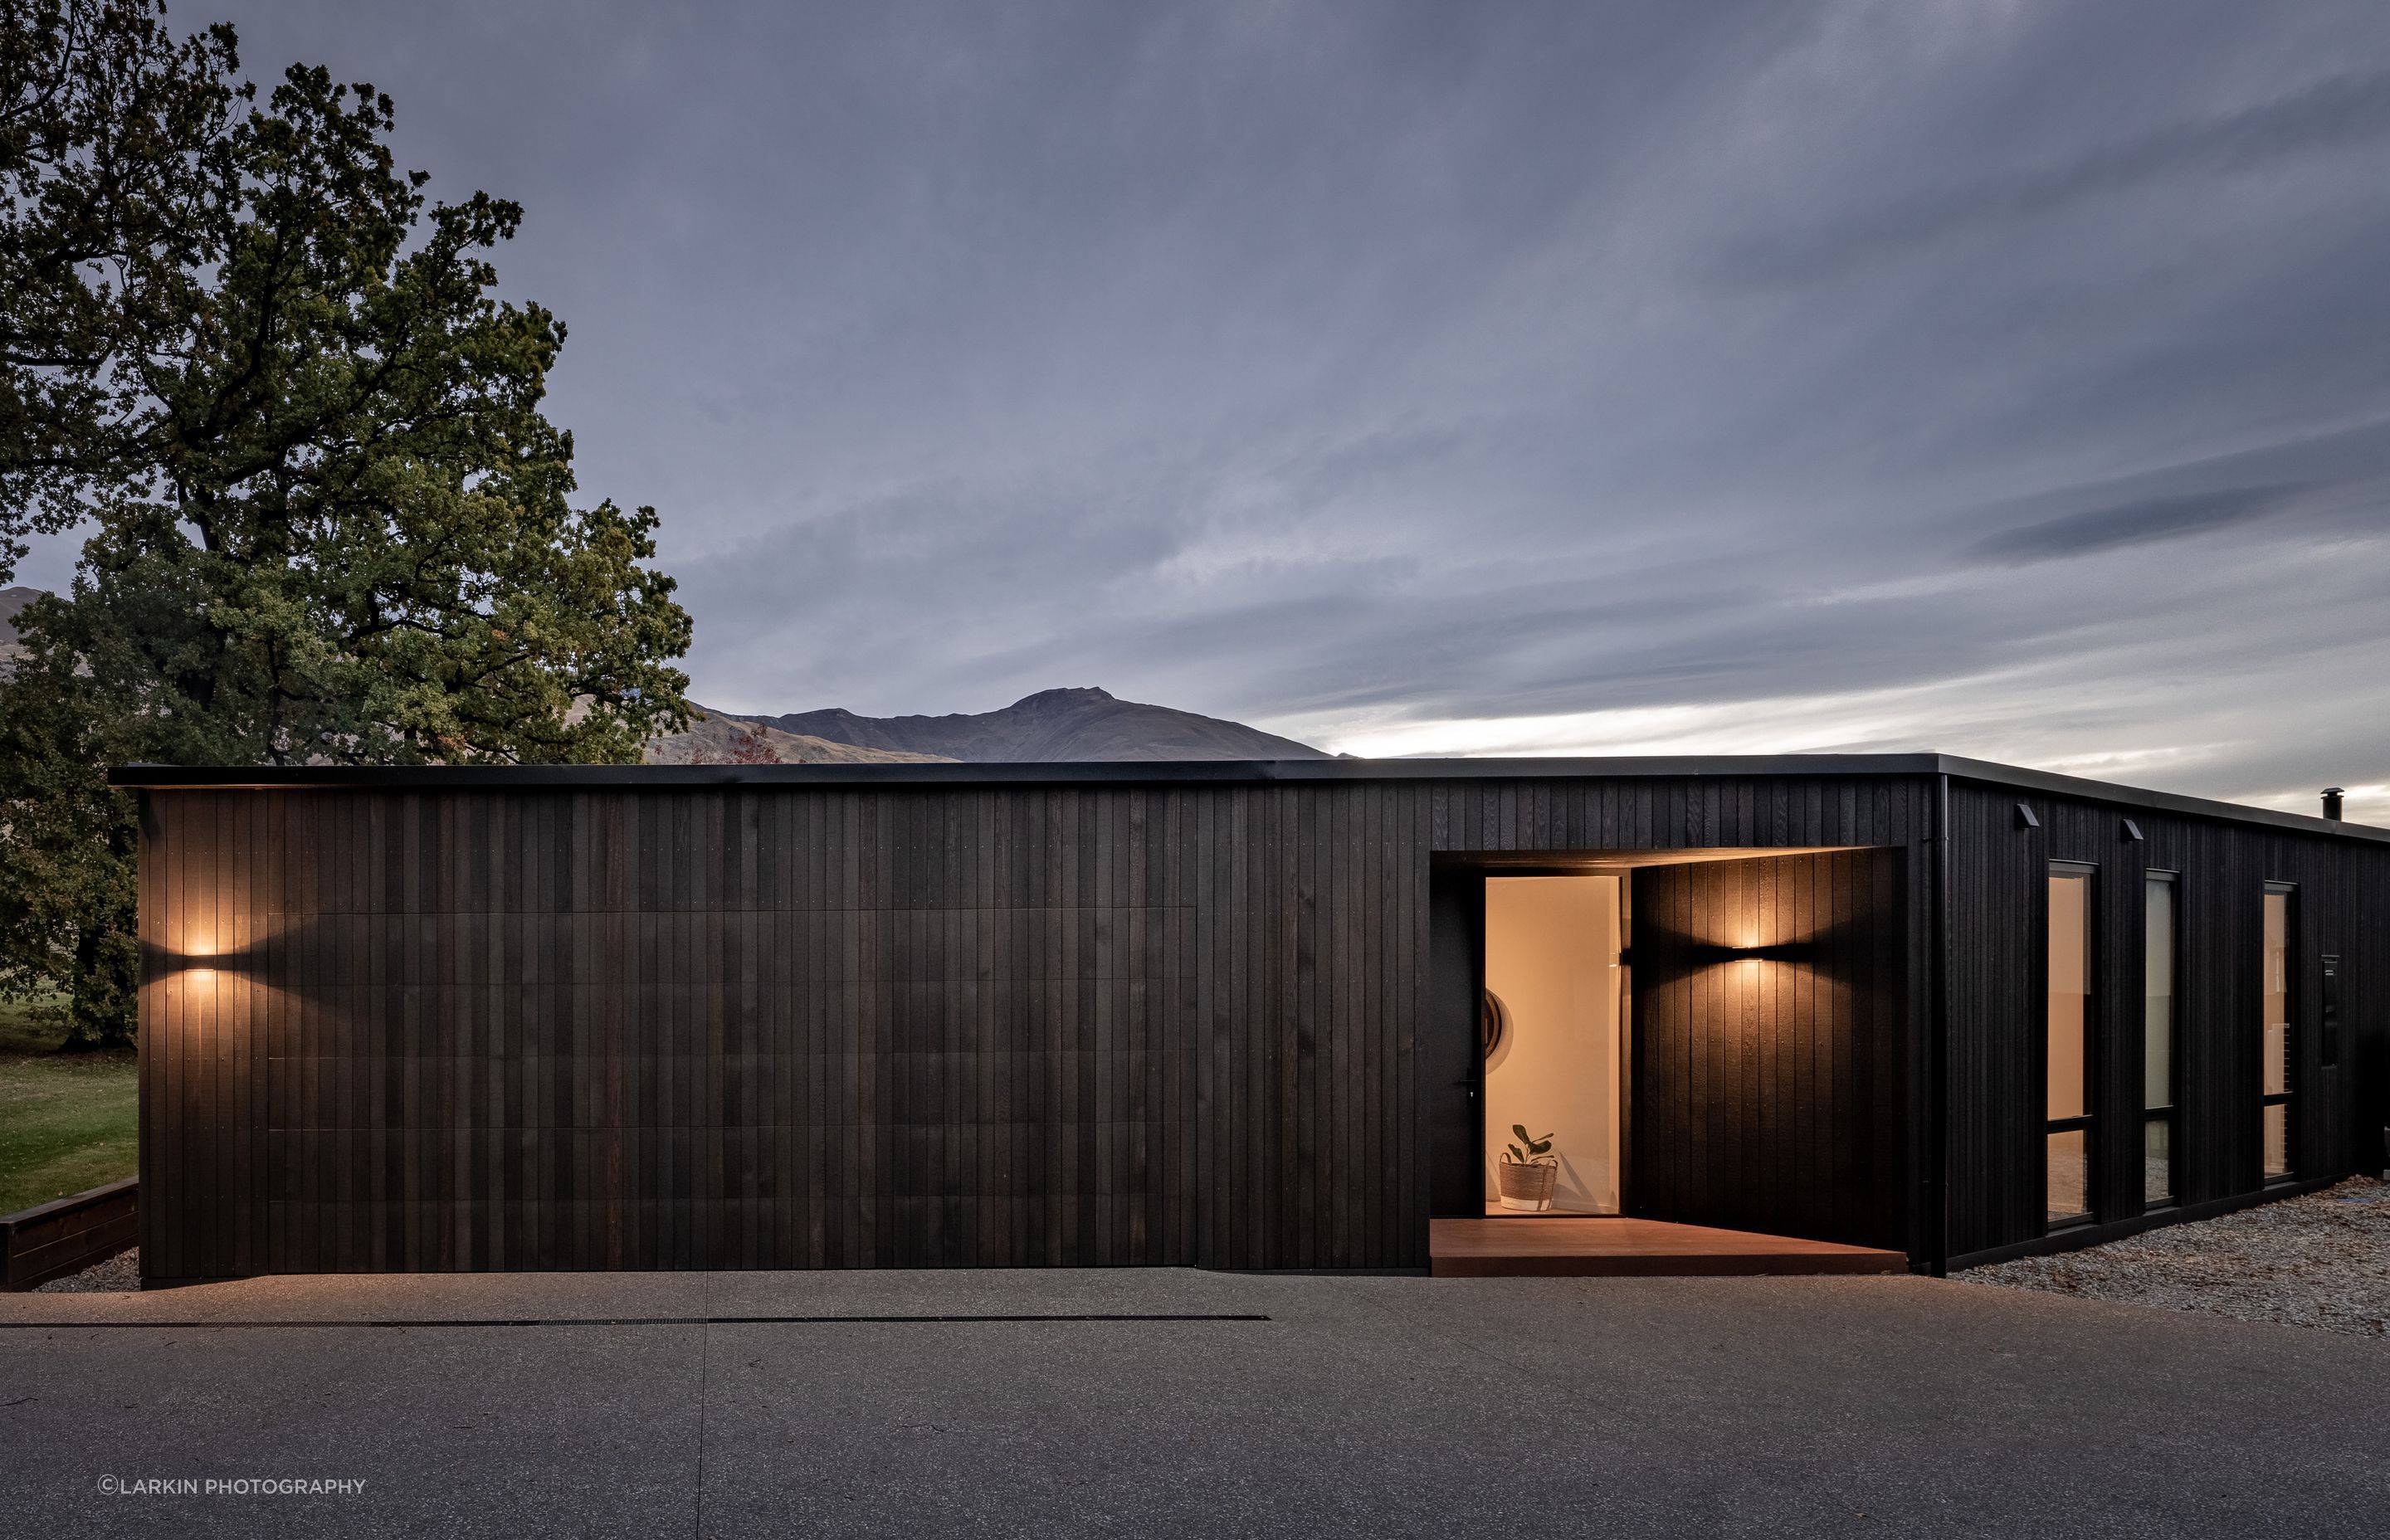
x=1527, y=1187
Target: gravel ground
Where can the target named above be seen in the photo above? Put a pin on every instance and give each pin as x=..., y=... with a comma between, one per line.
x=118, y=1275
x=2319, y=1261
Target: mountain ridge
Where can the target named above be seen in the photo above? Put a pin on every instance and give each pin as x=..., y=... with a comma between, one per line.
x=1048, y=728
x=718, y=738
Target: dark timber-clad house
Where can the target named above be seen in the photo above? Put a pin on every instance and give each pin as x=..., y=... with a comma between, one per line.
x=1226, y=1015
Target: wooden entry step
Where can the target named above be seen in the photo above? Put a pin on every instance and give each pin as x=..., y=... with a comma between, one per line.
x=1584, y=1247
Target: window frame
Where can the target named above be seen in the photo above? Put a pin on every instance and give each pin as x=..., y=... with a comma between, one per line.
x=2171, y=1113
x=2086, y=1123
x=2287, y=1097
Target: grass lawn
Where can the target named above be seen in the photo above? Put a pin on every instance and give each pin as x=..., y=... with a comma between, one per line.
x=67, y=1121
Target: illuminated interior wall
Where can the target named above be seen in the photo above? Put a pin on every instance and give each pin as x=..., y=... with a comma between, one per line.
x=1550, y=956
x=1769, y=1087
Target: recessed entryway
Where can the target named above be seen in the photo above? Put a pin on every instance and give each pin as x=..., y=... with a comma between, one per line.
x=1704, y=1041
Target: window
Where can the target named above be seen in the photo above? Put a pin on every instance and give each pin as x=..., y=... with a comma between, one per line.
x=2068, y=1131
x=2279, y=1041
x=2157, y=1044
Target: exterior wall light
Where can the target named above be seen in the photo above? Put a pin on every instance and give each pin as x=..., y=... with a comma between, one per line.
x=1783, y=951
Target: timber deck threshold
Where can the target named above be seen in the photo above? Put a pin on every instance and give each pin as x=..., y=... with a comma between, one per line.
x=1613, y=1247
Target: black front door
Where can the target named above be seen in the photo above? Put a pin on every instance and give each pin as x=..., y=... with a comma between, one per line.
x=1452, y=1067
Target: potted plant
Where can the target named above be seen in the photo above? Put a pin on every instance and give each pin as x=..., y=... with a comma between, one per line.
x=1527, y=1172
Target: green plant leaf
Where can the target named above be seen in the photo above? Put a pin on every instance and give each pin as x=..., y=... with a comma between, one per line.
x=1520, y=1130
x=1516, y=1158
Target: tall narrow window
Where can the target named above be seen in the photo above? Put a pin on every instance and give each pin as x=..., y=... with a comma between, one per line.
x=2157, y=1045
x=2068, y=1133
x=2276, y=1084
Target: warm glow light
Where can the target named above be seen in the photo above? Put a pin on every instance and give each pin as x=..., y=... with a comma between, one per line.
x=1754, y=953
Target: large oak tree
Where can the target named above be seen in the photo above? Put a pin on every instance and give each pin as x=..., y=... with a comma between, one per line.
x=328, y=521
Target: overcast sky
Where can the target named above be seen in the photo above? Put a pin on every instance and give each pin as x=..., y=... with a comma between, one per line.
x=2004, y=378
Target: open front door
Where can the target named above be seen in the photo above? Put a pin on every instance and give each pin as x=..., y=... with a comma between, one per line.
x=1769, y=1076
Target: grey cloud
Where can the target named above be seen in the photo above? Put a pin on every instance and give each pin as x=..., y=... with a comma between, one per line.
x=2137, y=522
x=1316, y=364
x=2331, y=479
x=2339, y=110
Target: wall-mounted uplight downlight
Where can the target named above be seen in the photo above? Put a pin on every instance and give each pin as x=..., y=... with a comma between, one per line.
x=200, y=961
x=1757, y=952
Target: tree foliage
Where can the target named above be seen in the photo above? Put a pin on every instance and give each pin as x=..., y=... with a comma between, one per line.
x=117, y=153
x=329, y=522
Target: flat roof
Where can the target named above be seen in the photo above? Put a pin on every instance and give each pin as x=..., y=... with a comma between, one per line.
x=163, y=777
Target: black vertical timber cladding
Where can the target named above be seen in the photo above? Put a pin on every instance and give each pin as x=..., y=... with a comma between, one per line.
x=2000, y=963
x=703, y=1029
x=1770, y=1088
x=1115, y=1022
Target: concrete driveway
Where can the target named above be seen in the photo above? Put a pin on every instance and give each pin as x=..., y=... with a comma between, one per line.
x=1527, y=1408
